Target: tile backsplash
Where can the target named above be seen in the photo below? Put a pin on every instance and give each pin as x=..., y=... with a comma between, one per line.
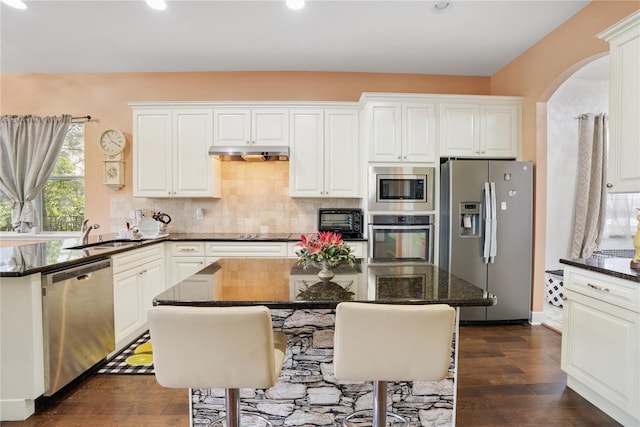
x=255, y=199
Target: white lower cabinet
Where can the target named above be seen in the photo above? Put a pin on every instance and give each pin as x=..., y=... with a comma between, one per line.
x=600, y=342
x=186, y=259
x=138, y=277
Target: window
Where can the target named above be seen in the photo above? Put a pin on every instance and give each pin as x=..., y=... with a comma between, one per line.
x=60, y=205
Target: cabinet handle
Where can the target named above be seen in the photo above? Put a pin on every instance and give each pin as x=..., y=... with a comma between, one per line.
x=598, y=288
x=187, y=249
x=142, y=272
x=563, y=298
x=609, y=185
x=399, y=157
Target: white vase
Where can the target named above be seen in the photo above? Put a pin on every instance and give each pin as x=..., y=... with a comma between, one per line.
x=325, y=272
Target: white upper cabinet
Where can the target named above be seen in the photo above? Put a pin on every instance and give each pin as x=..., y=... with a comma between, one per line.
x=401, y=132
x=341, y=153
x=324, y=155
x=251, y=126
x=306, y=153
x=170, y=153
x=480, y=129
x=623, y=171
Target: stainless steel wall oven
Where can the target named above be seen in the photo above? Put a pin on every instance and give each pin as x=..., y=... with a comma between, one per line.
x=401, y=237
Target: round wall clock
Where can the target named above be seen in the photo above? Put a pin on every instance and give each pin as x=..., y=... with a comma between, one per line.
x=112, y=141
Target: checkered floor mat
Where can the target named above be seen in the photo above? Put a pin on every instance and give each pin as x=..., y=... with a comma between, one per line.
x=118, y=364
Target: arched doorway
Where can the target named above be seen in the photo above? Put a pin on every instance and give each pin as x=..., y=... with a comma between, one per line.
x=586, y=90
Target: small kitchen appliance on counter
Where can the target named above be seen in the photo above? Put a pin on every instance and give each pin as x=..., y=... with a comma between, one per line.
x=347, y=222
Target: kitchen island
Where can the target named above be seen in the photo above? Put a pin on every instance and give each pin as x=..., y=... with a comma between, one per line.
x=303, y=307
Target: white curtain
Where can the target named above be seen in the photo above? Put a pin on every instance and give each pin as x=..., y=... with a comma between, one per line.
x=591, y=192
x=29, y=148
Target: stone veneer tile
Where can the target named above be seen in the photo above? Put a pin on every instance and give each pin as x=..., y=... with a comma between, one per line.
x=307, y=393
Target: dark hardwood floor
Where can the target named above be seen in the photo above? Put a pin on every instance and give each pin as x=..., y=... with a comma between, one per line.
x=508, y=376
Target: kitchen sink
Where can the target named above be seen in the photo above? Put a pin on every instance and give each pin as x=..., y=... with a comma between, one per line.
x=107, y=244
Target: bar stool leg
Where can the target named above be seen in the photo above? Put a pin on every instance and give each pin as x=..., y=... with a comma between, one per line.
x=232, y=407
x=379, y=403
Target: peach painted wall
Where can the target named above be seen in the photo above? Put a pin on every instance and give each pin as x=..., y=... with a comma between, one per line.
x=535, y=75
x=105, y=98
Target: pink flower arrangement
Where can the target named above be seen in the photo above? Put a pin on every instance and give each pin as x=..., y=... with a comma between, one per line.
x=324, y=247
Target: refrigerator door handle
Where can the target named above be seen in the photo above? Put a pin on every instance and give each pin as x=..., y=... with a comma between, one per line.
x=487, y=224
x=494, y=224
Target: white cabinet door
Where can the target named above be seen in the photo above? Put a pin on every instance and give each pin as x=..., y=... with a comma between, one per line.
x=623, y=174
x=324, y=157
x=183, y=267
x=459, y=135
x=600, y=355
x=127, y=300
x=342, y=153
x=480, y=129
x=152, y=149
x=499, y=130
x=186, y=259
x=270, y=126
x=251, y=126
x=192, y=166
x=171, y=153
x=232, y=126
x=306, y=156
x=383, y=130
x=401, y=131
x=152, y=283
x=418, y=132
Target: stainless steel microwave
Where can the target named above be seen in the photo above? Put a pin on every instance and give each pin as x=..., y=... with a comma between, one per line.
x=401, y=189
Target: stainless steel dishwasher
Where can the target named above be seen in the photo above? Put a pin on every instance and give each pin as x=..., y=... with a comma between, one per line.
x=77, y=306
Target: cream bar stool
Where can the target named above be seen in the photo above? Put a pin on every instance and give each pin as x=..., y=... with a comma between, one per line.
x=382, y=342
x=216, y=347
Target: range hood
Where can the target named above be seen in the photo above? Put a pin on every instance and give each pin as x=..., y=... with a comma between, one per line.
x=250, y=152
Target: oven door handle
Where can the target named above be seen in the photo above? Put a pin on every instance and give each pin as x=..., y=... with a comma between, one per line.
x=402, y=227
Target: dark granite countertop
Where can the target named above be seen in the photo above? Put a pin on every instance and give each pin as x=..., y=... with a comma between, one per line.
x=281, y=283
x=615, y=267
x=241, y=237
x=53, y=255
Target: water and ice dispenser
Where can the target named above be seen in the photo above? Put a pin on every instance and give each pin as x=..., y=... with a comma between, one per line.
x=470, y=218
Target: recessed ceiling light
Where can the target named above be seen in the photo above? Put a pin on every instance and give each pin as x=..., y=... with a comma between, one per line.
x=442, y=7
x=157, y=4
x=295, y=4
x=18, y=4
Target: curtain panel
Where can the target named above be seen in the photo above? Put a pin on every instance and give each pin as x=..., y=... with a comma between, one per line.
x=29, y=149
x=591, y=191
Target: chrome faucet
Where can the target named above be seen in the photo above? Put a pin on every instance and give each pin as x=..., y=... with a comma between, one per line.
x=86, y=229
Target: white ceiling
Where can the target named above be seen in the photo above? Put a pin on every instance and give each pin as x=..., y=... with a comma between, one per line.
x=475, y=37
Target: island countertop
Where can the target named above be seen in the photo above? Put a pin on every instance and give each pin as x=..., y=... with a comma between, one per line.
x=280, y=283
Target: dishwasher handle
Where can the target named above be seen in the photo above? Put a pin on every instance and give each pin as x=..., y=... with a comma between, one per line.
x=81, y=272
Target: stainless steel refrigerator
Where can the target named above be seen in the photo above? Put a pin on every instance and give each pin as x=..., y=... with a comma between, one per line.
x=486, y=232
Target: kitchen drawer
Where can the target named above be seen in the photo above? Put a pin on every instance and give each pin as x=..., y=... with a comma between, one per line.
x=187, y=249
x=135, y=258
x=604, y=288
x=246, y=249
